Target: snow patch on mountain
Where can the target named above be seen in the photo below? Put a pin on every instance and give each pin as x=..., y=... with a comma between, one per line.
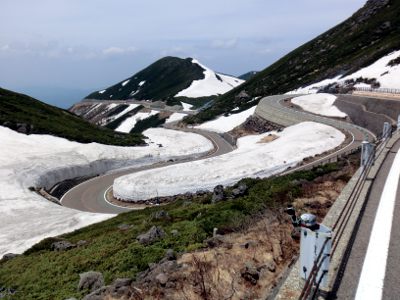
x=387, y=75
x=175, y=117
x=321, y=104
x=225, y=124
x=125, y=82
x=210, y=85
x=252, y=158
x=127, y=125
x=43, y=160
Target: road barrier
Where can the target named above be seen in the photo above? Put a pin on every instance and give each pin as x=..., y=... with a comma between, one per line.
x=311, y=286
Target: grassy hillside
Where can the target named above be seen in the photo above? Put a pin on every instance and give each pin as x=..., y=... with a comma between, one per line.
x=161, y=80
x=28, y=115
x=45, y=274
x=369, y=34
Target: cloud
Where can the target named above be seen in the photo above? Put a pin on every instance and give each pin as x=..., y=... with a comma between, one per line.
x=224, y=44
x=118, y=51
x=5, y=47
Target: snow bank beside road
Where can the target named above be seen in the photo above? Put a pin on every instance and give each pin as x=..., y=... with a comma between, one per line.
x=43, y=160
x=321, y=104
x=251, y=159
x=225, y=124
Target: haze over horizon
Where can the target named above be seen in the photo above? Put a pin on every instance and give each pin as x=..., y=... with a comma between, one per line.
x=60, y=50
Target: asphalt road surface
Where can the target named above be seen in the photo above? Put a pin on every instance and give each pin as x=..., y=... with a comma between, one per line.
x=352, y=267
x=90, y=195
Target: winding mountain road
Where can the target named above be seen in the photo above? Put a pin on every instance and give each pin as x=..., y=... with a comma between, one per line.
x=90, y=195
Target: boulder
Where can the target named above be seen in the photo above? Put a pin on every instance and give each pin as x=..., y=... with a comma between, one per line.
x=154, y=234
x=62, y=246
x=90, y=281
x=218, y=194
x=162, y=278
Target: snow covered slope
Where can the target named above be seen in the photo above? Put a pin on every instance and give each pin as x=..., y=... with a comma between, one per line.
x=167, y=78
x=253, y=158
x=320, y=104
x=127, y=125
x=225, y=124
x=212, y=84
x=43, y=160
x=383, y=73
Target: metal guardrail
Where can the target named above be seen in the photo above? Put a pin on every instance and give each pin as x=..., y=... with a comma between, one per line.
x=311, y=286
x=378, y=90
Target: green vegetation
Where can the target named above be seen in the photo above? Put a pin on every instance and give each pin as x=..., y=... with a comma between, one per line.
x=44, y=274
x=369, y=34
x=152, y=121
x=162, y=81
x=20, y=111
x=248, y=75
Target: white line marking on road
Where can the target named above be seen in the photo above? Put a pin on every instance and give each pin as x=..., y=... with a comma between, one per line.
x=373, y=272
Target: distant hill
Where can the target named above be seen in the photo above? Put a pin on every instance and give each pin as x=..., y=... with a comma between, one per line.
x=169, y=79
x=28, y=115
x=367, y=36
x=248, y=75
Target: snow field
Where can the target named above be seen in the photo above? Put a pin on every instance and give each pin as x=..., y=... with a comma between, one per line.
x=43, y=160
x=387, y=76
x=321, y=104
x=250, y=159
x=224, y=124
x=175, y=117
x=210, y=85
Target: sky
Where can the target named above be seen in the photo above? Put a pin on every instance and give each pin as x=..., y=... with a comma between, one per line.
x=61, y=50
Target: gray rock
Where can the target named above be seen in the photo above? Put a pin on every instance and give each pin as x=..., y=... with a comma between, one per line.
x=218, y=194
x=71, y=299
x=81, y=243
x=162, y=278
x=98, y=294
x=120, y=282
x=91, y=280
x=154, y=234
x=174, y=232
x=62, y=246
x=170, y=254
x=9, y=256
x=124, y=226
x=160, y=215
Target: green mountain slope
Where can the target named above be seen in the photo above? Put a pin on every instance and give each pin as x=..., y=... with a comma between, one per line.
x=28, y=115
x=161, y=80
x=369, y=34
x=248, y=75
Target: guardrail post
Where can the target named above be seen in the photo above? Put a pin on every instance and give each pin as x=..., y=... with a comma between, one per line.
x=398, y=123
x=367, y=153
x=315, y=249
x=387, y=130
